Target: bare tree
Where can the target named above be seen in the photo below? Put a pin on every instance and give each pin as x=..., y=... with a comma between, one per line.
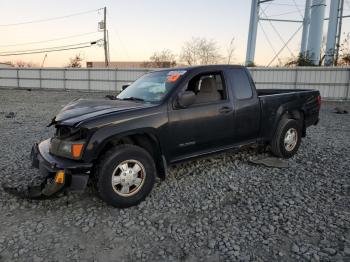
x=301, y=60
x=75, y=61
x=344, y=51
x=21, y=63
x=344, y=54
x=323, y=50
x=10, y=63
x=161, y=59
x=230, y=50
x=200, y=51
x=305, y=59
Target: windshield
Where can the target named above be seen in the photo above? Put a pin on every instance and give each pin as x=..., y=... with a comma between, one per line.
x=152, y=87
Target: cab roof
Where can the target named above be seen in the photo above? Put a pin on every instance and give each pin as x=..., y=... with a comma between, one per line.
x=204, y=67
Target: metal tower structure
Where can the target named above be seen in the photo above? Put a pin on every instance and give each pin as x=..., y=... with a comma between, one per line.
x=312, y=25
x=253, y=30
x=306, y=25
x=332, y=32
x=316, y=30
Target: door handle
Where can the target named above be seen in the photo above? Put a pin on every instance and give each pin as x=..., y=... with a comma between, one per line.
x=225, y=110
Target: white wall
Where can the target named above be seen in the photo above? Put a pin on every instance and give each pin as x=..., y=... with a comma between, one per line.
x=332, y=82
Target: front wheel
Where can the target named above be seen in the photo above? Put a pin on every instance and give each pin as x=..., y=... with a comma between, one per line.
x=287, y=138
x=126, y=175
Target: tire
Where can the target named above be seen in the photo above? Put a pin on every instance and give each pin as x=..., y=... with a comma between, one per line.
x=287, y=138
x=125, y=168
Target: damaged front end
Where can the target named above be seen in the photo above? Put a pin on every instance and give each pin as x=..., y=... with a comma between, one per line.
x=60, y=158
x=60, y=174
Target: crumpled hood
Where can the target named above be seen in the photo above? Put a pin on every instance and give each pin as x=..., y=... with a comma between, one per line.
x=82, y=109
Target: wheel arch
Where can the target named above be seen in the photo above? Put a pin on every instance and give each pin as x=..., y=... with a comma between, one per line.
x=144, y=138
x=290, y=113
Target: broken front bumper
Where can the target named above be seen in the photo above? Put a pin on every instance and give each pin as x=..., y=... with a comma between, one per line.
x=75, y=173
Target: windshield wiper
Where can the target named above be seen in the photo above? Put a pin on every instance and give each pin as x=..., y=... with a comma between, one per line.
x=133, y=98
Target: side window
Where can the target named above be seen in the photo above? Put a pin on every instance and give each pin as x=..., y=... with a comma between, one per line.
x=208, y=88
x=240, y=83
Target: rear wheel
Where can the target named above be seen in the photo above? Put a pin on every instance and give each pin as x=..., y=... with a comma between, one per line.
x=126, y=175
x=287, y=138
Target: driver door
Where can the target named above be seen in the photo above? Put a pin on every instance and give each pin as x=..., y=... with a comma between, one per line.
x=205, y=125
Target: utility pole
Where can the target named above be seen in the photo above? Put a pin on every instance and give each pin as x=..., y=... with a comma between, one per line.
x=105, y=35
x=109, y=54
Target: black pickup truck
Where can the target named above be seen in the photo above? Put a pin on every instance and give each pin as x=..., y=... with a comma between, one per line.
x=165, y=117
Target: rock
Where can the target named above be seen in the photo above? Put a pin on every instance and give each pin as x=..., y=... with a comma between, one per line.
x=233, y=187
x=85, y=229
x=216, y=209
x=347, y=251
x=236, y=247
x=295, y=249
x=37, y=259
x=11, y=115
x=330, y=251
x=316, y=257
x=275, y=218
x=211, y=244
x=340, y=110
x=129, y=223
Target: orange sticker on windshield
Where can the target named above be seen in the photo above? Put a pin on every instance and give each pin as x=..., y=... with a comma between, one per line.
x=173, y=78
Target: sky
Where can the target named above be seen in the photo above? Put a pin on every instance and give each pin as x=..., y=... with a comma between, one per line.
x=137, y=28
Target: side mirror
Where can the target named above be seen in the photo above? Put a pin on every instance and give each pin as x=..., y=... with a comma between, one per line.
x=125, y=86
x=186, y=99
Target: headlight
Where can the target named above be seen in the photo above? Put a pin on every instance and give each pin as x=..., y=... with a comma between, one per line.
x=68, y=149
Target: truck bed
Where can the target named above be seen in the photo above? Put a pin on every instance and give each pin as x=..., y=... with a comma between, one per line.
x=273, y=101
x=266, y=92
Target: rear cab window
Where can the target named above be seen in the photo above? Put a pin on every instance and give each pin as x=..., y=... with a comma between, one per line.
x=240, y=83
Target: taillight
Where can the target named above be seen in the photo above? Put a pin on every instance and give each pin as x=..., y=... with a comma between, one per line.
x=319, y=102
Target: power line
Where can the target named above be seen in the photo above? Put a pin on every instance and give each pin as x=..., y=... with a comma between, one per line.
x=115, y=31
x=50, y=19
x=48, y=48
x=38, y=52
x=51, y=49
x=49, y=40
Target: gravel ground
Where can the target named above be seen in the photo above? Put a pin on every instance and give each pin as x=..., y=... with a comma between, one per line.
x=221, y=208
